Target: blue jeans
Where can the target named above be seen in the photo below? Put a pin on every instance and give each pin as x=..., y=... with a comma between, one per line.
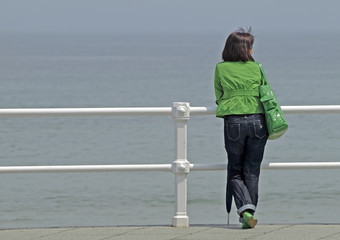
x=245, y=138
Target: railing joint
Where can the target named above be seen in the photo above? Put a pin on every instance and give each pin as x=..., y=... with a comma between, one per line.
x=181, y=166
x=181, y=111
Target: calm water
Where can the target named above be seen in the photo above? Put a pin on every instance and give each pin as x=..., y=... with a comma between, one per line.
x=133, y=70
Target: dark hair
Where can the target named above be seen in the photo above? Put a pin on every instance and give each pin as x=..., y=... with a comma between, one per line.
x=238, y=46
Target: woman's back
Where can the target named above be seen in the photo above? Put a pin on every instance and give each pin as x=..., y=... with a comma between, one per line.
x=237, y=88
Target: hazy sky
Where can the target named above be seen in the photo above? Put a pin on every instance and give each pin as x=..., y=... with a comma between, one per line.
x=205, y=16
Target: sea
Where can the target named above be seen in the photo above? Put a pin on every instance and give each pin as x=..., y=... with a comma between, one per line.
x=154, y=70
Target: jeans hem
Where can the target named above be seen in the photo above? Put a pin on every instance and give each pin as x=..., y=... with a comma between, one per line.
x=246, y=207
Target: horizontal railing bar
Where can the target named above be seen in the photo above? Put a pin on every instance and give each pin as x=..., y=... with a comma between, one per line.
x=86, y=168
x=286, y=109
x=65, y=112
x=145, y=111
x=208, y=167
x=160, y=167
x=301, y=165
x=271, y=166
x=203, y=110
x=311, y=109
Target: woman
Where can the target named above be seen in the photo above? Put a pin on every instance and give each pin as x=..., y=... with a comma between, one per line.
x=237, y=81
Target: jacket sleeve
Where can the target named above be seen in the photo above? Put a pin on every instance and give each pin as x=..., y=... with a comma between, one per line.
x=218, y=87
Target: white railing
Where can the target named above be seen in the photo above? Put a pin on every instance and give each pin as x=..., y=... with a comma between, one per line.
x=180, y=167
x=145, y=111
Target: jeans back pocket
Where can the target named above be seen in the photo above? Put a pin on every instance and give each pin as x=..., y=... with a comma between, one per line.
x=233, y=131
x=260, y=130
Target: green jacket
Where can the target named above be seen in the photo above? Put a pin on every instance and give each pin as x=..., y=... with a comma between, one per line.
x=237, y=88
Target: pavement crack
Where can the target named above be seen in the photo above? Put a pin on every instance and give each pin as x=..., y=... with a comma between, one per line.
x=267, y=232
x=330, y=235
x=121, y=234
x=54, y=233
x=190, y=234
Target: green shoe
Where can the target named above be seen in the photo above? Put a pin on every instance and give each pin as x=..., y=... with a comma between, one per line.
x=245, y=226
x=249, y=220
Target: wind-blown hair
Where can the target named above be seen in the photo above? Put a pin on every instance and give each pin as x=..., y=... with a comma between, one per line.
x=238, y=46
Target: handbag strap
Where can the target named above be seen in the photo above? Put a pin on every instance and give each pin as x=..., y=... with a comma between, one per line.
x=264, y=79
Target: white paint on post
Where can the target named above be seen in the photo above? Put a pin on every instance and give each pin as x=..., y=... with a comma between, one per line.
x=181, y=165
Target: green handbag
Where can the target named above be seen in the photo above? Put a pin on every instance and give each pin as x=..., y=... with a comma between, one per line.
x=276, y=122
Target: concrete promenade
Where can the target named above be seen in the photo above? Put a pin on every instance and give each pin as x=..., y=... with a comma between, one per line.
x=197, y=232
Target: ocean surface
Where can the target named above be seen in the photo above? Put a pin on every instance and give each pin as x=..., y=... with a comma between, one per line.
x=131, y=70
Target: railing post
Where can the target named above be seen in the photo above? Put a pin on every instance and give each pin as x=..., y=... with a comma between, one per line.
x=181, y=166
